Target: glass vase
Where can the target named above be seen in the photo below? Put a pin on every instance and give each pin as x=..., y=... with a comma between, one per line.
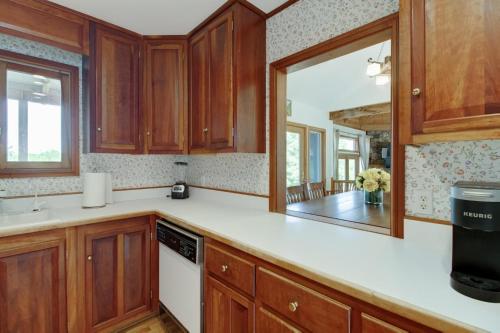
x=374, y=198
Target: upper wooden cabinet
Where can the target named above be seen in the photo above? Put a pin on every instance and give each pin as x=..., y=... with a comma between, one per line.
x=227, y=83
x=46, y=23
x=115, y=125
x=449, y=73
x=33, y=283
x=165, y=81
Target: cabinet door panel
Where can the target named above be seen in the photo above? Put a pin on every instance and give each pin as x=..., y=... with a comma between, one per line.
x=220, y=115
x=226, y=310
x=33, y=289
x=102, y=278
x=452, y=53
x=166, y=105
x=136, y=268
x=114, y=103
x=198, y=91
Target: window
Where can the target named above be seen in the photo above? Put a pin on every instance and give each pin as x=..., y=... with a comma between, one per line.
x=38, y=117
x=348, y=158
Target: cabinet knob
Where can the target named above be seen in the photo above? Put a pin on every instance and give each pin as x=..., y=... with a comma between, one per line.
x=224, y=268
x=148, y=133
x=292, y=306
x=99, y=129
x=89, y=258
x=205, y=130
x=416, y=92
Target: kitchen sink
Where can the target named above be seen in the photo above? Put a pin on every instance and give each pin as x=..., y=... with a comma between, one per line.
x=25, y=217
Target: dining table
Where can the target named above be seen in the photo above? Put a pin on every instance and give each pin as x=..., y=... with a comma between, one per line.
x=347, y=206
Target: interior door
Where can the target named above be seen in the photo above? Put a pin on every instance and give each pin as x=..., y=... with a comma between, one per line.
x=115, y=91
x=220, y=113
x=296, y=165
x=165, y=76
x=198, y=88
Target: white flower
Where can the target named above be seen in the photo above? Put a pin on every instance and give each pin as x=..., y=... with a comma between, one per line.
x=385, y=176
x=370, y=185
x=386, y=186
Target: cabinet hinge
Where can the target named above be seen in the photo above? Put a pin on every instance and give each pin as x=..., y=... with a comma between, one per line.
x=151, y=294
x=151, y=235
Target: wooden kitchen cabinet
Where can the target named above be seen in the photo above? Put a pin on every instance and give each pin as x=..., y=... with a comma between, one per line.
x=33, y=283
x=115, y=263
x=371, y=324
x=226, y=310
x=449, y=77
x=227, y=83
x=268, y=322
x=115, y=125
x=165, y=81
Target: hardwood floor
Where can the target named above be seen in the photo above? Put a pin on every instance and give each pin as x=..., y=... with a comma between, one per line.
x=159, y=324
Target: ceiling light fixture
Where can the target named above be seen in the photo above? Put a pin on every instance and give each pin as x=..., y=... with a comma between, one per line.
x=374, y=67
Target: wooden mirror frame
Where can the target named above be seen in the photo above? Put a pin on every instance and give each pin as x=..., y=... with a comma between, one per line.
x=334, y=47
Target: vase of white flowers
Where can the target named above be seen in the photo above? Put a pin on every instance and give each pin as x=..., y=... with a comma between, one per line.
x=374, y=182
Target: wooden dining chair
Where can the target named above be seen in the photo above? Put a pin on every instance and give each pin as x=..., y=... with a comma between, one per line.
x=295, y=194
x=315, y=190
x=341, y=186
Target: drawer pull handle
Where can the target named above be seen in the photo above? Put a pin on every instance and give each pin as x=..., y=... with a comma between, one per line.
x=224, y=268
x=89, y=258
x=292, y=306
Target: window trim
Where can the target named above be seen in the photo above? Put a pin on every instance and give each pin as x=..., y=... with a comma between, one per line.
x=69, y=76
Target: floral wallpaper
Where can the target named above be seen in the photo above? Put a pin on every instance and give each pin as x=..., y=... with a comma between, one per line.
x=436, y=167
x=128, y=171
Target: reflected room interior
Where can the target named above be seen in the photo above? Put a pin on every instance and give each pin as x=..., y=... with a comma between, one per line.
x=338, y=139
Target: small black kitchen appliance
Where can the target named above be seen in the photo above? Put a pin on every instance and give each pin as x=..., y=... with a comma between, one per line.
x=475, y=215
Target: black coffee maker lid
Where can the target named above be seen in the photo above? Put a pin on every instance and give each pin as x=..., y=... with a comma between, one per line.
x=476, y=191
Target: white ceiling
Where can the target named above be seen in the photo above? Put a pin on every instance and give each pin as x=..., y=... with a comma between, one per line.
x=340, y=83
x=156, y=17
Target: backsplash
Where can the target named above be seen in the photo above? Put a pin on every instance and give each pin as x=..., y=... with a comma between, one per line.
x=129, y=171
x=436, y=167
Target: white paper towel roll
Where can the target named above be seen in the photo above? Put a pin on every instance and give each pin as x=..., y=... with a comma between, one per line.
x=109, y=189
x=94, y=190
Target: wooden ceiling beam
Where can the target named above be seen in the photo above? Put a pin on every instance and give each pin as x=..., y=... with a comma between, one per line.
x=362, y=111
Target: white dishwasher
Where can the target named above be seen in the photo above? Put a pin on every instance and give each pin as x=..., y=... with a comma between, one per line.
x=181, y=274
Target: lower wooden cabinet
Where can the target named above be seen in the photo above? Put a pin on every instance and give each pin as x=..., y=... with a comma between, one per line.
x=226, y=311
x=285, y=302
x=33, y=283
x=116, y=263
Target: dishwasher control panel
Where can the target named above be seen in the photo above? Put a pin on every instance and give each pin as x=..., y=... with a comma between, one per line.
x=181, y=241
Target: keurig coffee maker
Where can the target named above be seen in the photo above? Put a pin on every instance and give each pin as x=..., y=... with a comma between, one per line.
x=475, y=214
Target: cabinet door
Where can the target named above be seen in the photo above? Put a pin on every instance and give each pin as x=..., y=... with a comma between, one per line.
x=220, y=114
x=117, y=272
x=165, y=81
x=226, y=310
x=114, y=115
x=268, y=322
x=455, y=85
x=33, y=287
x=198, y=88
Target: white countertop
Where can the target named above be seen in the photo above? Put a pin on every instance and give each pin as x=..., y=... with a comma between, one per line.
x=414, y=271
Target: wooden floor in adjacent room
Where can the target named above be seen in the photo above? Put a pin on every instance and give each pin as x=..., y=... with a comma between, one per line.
x=159, y=324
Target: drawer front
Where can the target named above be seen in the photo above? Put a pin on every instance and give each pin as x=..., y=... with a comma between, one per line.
x=371, y=324
x=306, y=307
x=231, y=268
